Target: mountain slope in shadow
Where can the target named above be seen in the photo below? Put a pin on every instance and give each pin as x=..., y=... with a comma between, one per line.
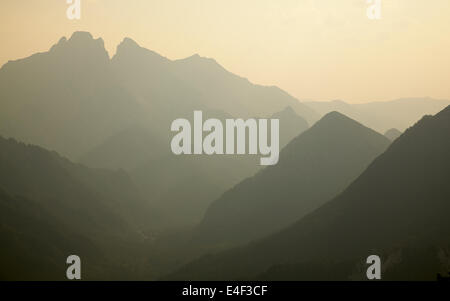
x=183, y=186
x=128, y=149
x=51, y=208
x=291, y=125
x=35, y=243
x=313, y=168
x=116, y=113
x=71, y=191
x=397, y=209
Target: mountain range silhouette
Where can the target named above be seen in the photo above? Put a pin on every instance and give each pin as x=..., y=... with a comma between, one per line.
x=115, y=113
x=86, y=169
x=313, y=168
x=397, y=208
x=51, y=207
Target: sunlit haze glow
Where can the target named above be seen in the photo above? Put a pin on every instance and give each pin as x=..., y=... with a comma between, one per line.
x=319, y=50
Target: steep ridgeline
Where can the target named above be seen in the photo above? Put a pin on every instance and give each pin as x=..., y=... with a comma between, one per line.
x=384, y=115
x=313, y=168
x=234, y=94
x=66, y=99
x=151, y=80
x=73, y=98
x=397, y=209
x=116, y=113
x=183, y=186
x=175, y=88
x=291, y=125
x=56, y=207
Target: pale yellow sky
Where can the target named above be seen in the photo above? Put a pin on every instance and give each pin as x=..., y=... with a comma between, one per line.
x=313, y=49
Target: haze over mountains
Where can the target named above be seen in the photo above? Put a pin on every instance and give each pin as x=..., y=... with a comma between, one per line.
x=116, y=113
x=127, y=149
x=67, y=99
x=95, y=175
x=392, y=134
x=200, y=82
x=291, y=125
x=51, y=207
x=398, y=209
x=313, y=168
x=92, y=97
x=384, y=115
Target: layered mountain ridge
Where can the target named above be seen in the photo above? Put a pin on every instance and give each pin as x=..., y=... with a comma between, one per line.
x=313, y=168
x=397, y=209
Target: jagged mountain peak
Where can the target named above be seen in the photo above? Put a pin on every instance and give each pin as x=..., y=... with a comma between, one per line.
x=80, y=39
x=130, y=49
x=81, y=35
x=129, y=42
x=81, y=45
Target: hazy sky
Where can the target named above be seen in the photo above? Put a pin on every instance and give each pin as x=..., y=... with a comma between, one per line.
x=313, y=49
